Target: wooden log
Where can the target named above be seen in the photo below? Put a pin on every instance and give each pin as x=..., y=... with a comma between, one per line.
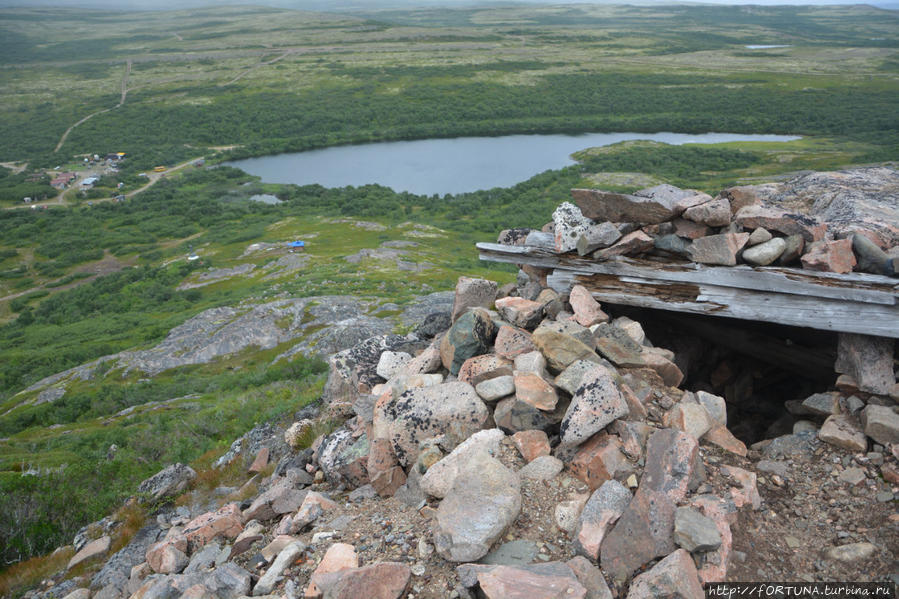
x=856, y=303
x=854, y=287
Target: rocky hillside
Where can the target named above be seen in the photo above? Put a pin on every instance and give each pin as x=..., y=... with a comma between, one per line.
x=520, y=442
x=538, y=447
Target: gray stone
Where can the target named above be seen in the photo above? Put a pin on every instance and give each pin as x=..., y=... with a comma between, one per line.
x=854, y=404
x=840, y=431
x=596, y=237
x=822, y=404
x=695, y=532
x=715, y=213
x=168, y=482
x=596, y=403
x=773, y=467
x=570, y=328
x=714, y=405
x=881, y=424
x=793, y=248
x=797, y=444
x=342, y=458
x=482, y=503
x=643, y=532
x=853, y=476
x=271, y=577
x=540, y=239
x=355, y=369
x=601, y=511
x=513, y=415
x=618, y=207
x=117, y=569
x=570, y=225
x=204, y=558
x=674, y=576
x=760, y=235
x=513, y=553
x=590, y=577
x=614, y=344
x=513, y=236
x=673, y=244
x=228, y=581
x=440, y=477
x=545, y=467
x=868, y=360
x=390, y=363
x=495, y=388
x=870, y=258
x=529, y=362
x=852, y=553
x=281, y=498
x=765, y=253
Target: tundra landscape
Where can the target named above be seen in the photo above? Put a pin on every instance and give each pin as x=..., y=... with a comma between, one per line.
x=158, y=303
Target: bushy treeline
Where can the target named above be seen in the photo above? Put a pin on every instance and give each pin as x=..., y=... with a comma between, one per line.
x=367, y=110
x=14, y=187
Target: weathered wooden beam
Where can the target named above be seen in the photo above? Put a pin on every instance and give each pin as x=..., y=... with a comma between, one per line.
x=855, y=287
x=765, y=306
x=856, y=303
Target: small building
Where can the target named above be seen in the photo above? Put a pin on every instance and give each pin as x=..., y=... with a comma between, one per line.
x=89, y=182
x=62, y=180
x=26, y=200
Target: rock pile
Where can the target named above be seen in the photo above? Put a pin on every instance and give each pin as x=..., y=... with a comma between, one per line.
x=538, y=447
x=737, y=226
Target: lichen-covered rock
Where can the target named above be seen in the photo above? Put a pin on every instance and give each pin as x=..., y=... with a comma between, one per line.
x=168, y=482
x=422, y=413
x=596, y=403
x=570, y=225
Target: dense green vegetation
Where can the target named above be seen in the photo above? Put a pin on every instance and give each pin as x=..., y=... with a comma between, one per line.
x=14, y=187
x=42, y=510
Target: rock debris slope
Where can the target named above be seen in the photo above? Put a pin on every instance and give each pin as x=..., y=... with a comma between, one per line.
x=523, y=443
x=520, y=453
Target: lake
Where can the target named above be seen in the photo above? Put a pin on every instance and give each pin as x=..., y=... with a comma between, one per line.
x=455, y=165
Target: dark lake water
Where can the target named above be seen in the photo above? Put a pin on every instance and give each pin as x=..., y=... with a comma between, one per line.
x=457, y=165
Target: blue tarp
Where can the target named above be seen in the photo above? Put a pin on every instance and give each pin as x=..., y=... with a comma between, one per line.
x=296, y=244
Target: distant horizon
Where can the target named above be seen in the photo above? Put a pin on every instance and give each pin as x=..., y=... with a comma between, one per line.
x=368, y=5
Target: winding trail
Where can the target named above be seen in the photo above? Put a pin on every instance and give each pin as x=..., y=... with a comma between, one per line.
x=259, y=66
x=65, y=135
